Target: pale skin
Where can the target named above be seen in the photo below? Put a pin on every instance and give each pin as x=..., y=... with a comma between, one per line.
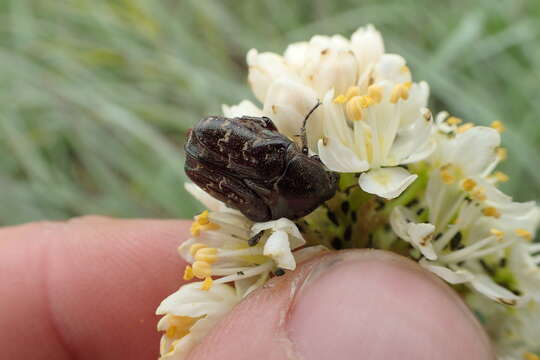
x=88, y=288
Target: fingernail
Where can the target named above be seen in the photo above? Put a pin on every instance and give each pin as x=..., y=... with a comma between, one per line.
x=376, y=305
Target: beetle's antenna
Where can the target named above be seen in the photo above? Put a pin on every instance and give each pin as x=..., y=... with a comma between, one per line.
x=303, y=135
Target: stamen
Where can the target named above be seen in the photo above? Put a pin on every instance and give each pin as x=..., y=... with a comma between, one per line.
x=491, y=212
x=196, y=247
x=502, y=153
x=207, y=254
x=465, y=127
x=400, y=91
x=524, y=234
x=500, y=176
x=202, y=218
x=468, y=185
x=405, y=69
x=453, y=120
x=479, y=194
x=207, y=283
x=351, y=92
x=340, y=99
x=375, y=92
x=447, y=178
x=202, y=269
x=426, y=113
x=188, y=273
x=171, y=332
x=354, y=108
x=498, y=125
x=496, y=232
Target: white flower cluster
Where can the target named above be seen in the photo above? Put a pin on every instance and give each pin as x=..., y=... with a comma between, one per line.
x=374, y=123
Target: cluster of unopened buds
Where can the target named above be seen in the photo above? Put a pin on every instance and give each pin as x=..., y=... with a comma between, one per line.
x=420, y=185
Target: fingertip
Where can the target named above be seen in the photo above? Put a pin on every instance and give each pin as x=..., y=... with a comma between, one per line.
x=91, y=283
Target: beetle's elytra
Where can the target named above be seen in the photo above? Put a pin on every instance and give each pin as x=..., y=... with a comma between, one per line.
x=246, y=163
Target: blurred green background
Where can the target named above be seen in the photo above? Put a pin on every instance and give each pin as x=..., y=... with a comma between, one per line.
x=96, y=95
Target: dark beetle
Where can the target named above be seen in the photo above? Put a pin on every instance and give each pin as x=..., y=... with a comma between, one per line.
x=246, y=163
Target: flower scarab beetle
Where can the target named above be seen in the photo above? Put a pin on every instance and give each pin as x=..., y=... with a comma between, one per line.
x=246, y=163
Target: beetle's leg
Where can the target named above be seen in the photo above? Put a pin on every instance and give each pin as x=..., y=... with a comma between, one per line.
x=254, y=240
x=303, y=135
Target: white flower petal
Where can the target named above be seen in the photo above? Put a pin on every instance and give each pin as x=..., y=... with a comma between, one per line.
x=418, y=99
x=387, y=183
x=245, y=107
x=421, y=235
x=368, y=46
x=204, y=198
x=296, y=239
x=392, y=67
x=329, y=68
x=485, y=285
x=198, y=311
x=264, y=68
x=191, y=301
x=278, y=248
x=287, y=104
x=450, y=276
x=340, y=158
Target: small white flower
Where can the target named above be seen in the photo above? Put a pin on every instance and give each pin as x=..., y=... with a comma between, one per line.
x=469, y=242
x=369, y=132
x=189, y=314
x=229, y=245
x=419, y=235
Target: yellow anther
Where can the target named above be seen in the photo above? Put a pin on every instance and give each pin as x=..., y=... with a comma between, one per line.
x=340, y=99
x=447, y=178
x=375, y=92
x=427, y=114
x=530, y=356
x=524, y=234
x=498, y=125
x=188, y=273
x=405, y=69
x=479, y=194
x=407, y=85
x=349, y=94
x=464, y=127
x=468, y=184
x=324, y=140
x=208, y=255
x=491, y=212
x=502, y=153
x=400, y=91
x=496, y=232
x=171, y=332
x=195, y=229
x=354, y=109
x=452, y=120
x=207, y=283
x=366, y=101
x=352, y=91
x=501, y=177
x=203, y=218
x=446, y=175
x=202, y=269
x=196, y=247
